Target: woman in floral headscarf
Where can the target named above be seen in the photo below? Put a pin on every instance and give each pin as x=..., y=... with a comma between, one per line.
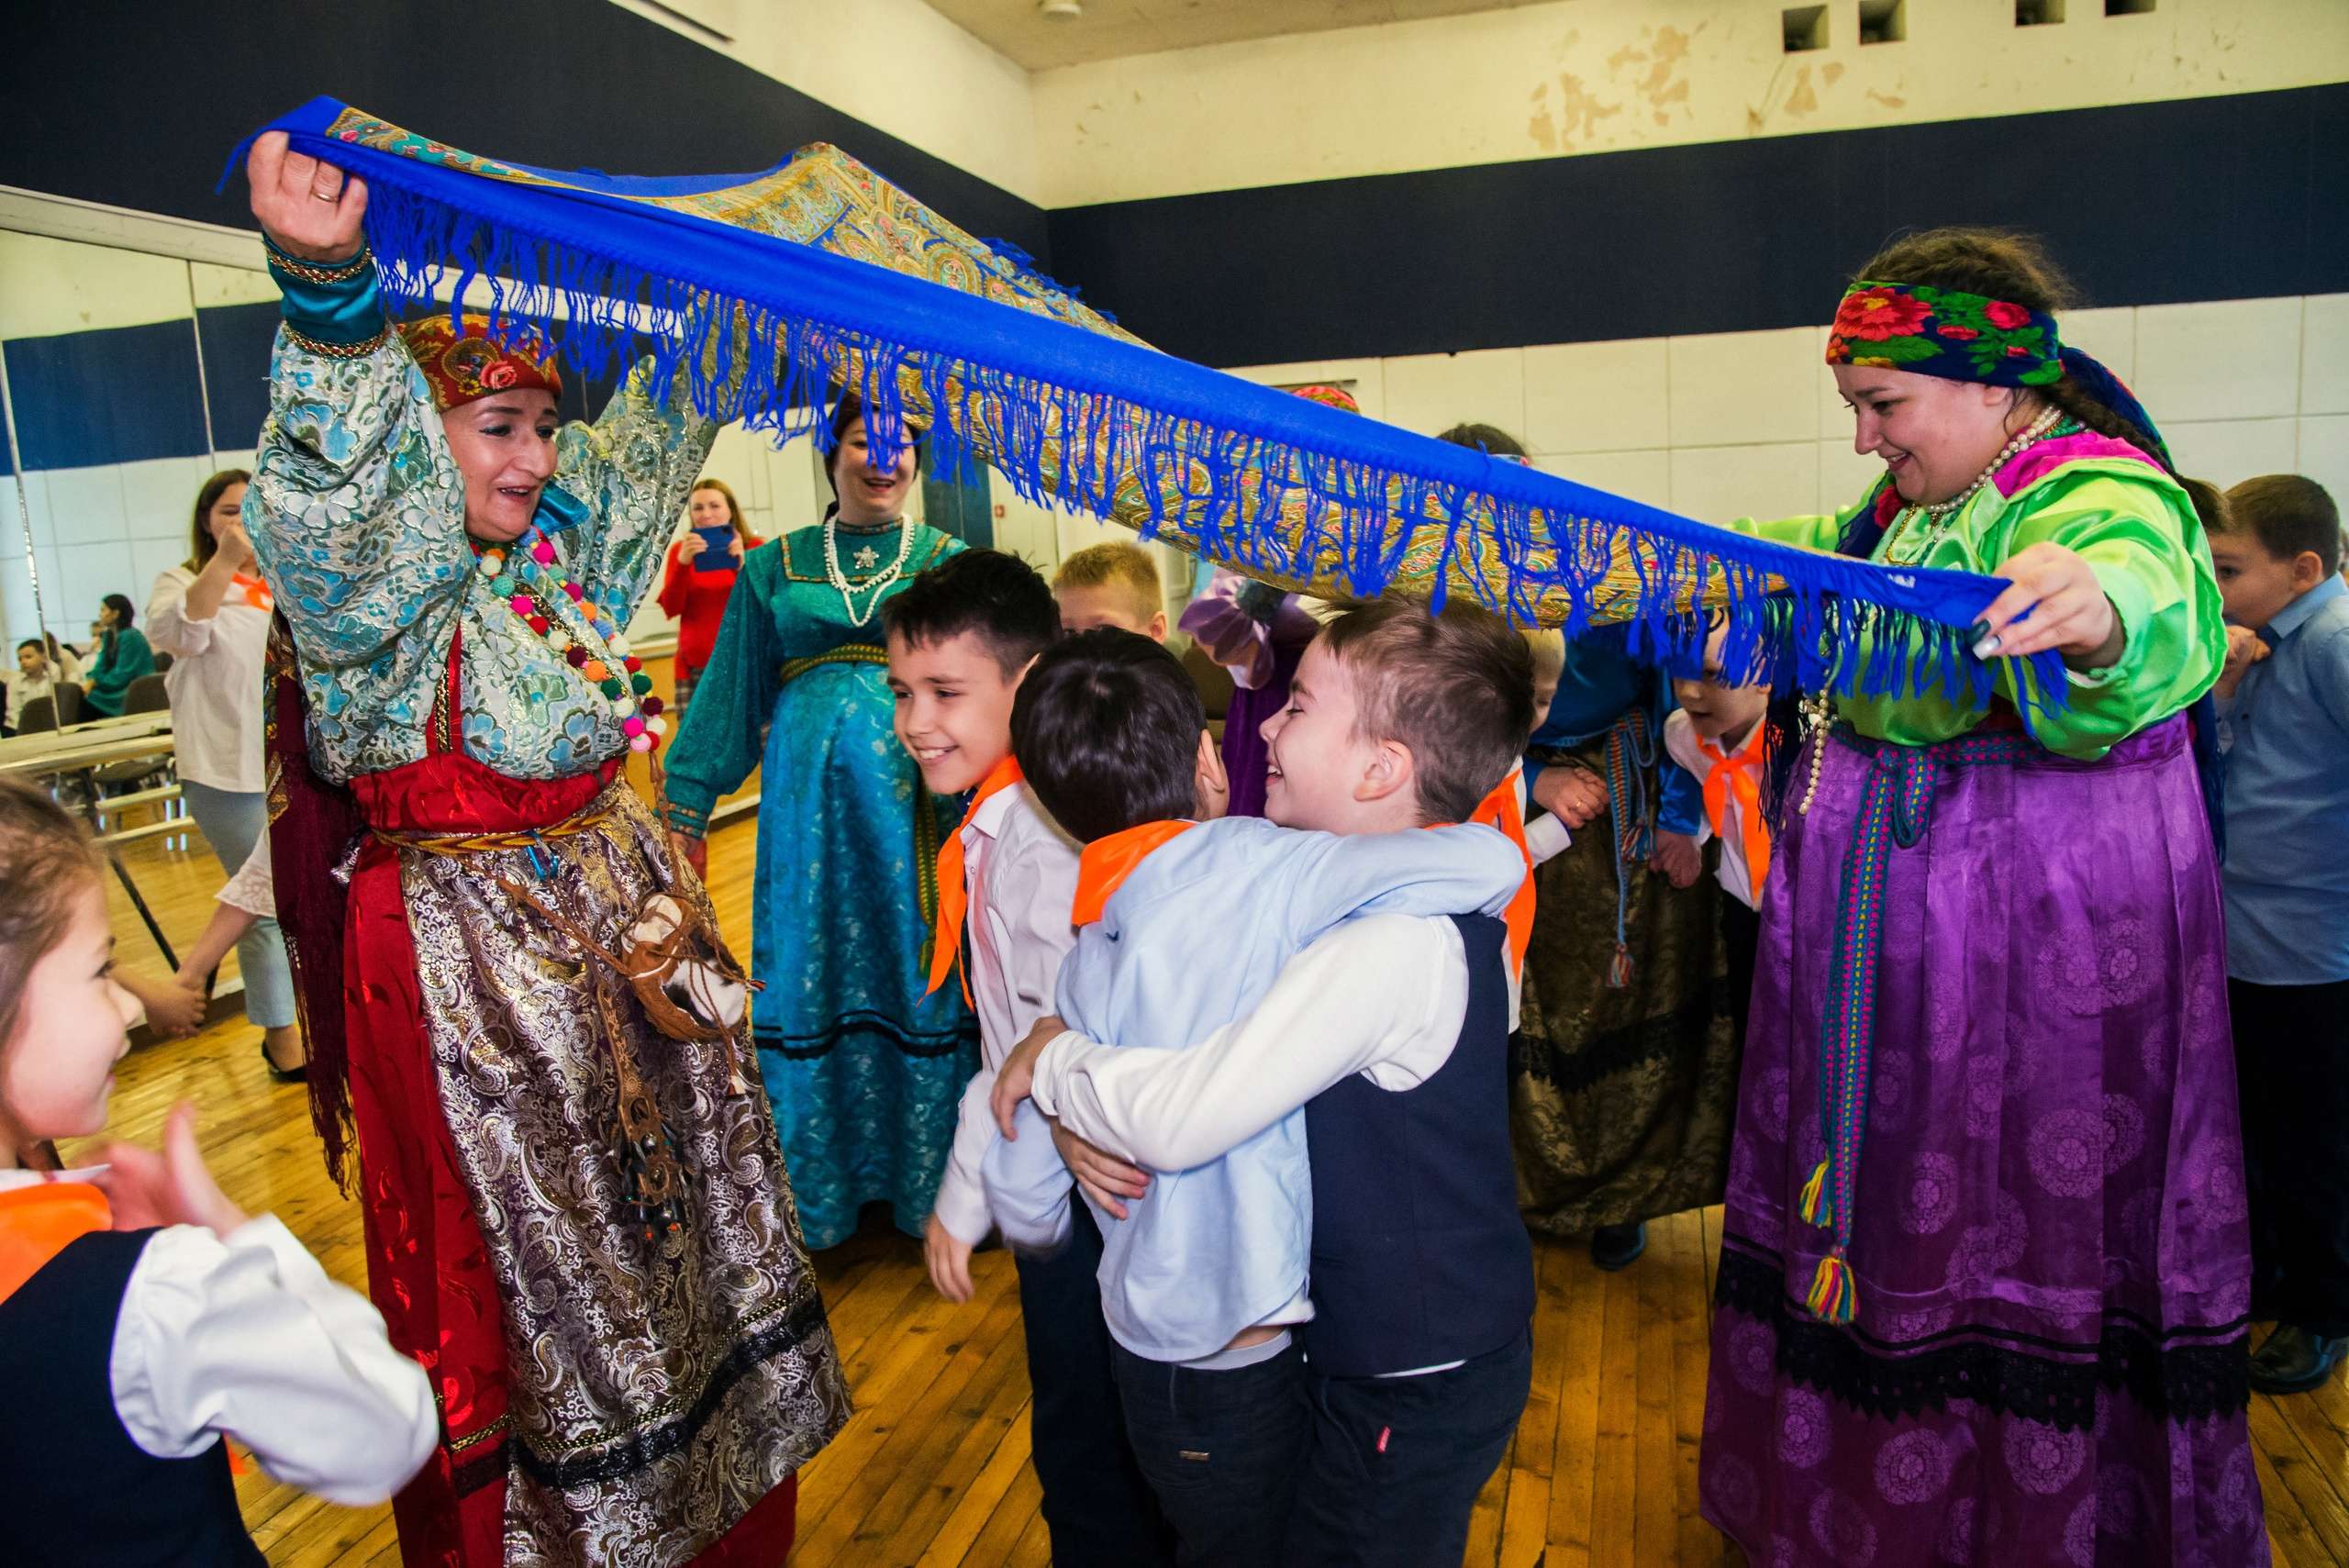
x=1985, y=1269
x=577, y=1214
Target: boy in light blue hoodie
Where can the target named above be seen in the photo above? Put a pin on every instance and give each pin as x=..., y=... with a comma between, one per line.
x=1184, y=925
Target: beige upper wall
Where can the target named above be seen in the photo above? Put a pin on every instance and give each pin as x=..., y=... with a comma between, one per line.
x=895, y=65
x=1601, y=75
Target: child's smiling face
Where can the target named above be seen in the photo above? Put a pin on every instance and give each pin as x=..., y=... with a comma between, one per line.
x=953, y=708
x=1315, y=752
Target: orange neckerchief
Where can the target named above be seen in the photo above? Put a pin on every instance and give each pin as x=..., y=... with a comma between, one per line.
x=1499, y=810
x=254, y=591
x=953, y=893
x=1106, y=863
x=37, y=1222
x=1740, y=774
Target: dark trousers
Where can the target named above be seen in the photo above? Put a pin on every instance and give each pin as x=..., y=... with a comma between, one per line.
x=2292, y=1069
x=1222, y=1450
x=1097, y=1504
x=1741, y=935
x=1397, y=1462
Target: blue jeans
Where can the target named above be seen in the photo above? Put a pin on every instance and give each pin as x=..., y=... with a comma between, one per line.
x=1397, y=1461
x=1099, y=1509
x=1222, y=1450
x=233, y=822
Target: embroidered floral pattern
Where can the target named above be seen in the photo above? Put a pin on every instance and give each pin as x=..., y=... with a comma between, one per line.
x=1946, y=333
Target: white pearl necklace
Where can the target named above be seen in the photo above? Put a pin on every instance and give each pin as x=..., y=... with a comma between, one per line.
x=1939, y=515
x=876, y=584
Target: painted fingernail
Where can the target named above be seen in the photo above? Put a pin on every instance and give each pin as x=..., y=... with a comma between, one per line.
x=1987, y=648
x=1977, y=632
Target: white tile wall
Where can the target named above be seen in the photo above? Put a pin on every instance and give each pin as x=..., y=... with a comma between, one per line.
x=1736, y=424
x=1735, y=388
x=2325, y=355
x=2219, y=360
x=1643, y=477
x=1720, y=485
x=2227, y=451
x=2325, y=453
x=1429, y=393
x=1598, y=398
x=2109, y=334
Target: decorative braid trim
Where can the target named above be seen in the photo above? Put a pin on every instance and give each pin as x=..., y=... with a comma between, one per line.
x=310, y=345
x=2179, y=1374
x=321, y=272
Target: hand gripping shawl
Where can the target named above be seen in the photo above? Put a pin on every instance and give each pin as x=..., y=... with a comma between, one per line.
x=774, y=293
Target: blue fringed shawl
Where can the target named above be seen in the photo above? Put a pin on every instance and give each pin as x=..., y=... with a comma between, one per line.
x=796, y=283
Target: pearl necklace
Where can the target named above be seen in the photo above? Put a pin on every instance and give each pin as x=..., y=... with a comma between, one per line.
x=876, y=584
x=1939, y=515
x=538, y=594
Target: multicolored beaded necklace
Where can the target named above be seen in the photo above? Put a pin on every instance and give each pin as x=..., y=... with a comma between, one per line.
x=536, y=589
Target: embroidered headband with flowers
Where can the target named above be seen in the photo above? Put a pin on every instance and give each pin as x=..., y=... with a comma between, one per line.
x=465, y=367
x=1942, y=332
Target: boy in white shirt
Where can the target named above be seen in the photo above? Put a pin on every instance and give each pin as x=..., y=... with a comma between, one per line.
x=1717, y=735
x=1391, y=1032
x=960, y=637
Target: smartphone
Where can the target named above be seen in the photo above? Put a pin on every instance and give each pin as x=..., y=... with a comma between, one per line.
x=716, y=552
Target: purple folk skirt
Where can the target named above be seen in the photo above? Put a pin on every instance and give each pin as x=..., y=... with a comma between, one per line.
x=2047, y=1364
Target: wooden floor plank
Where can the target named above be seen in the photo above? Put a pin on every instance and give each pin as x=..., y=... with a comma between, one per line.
x=934, y=1469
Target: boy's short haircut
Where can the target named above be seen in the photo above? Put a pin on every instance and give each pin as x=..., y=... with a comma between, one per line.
x=2287, y=513
x=1114, y=562
x=1457, y=688
x=1107, y=730
x=997, y=597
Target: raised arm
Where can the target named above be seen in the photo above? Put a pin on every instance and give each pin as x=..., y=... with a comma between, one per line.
x=355, y=511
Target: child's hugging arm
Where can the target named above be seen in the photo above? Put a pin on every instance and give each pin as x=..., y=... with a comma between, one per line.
x=1458, y=870
x=1027, y=1187
x=1385, y=994
x=245, y=1335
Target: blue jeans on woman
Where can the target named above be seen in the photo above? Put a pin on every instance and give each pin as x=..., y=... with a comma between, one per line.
x=232, y=822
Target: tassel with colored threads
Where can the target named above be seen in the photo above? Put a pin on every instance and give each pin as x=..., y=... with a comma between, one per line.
x=1835, y=1294
x=1817, y=1203
x=1619, y=968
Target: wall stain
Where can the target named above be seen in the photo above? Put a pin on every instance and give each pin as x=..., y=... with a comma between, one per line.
x=1832, y=74
x=1801, y=100
x=1577, y=116
x=1888, y=99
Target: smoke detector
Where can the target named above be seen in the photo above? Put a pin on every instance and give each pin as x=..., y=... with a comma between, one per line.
x=1061, y=10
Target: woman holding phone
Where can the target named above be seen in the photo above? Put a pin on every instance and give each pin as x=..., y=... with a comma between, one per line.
x=702, y=568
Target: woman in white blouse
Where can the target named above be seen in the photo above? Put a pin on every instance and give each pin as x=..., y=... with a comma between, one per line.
x=212, y=615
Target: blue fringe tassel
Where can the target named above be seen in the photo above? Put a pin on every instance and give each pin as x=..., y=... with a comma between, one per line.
x=604, y=309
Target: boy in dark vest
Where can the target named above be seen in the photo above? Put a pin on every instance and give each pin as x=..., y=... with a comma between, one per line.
x=1391, y=1032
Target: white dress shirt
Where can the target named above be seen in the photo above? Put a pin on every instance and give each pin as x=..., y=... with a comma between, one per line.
x=1736, y=878
x=247, y=1336
x=216, y=681
x=1384, y=995
x=1022, y=869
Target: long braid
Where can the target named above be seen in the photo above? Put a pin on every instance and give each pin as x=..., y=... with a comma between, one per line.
x=2077, y=402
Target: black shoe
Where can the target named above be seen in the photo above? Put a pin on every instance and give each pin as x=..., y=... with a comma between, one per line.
x=2294, y=1361
x=1616, y=1247
x=283, y=1074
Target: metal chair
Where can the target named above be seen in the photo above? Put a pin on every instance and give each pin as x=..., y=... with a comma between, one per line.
x=70, y=708
x=40, y=713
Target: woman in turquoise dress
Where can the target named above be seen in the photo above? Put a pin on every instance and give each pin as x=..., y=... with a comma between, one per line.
x=866, y=1072
x=123, y=657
